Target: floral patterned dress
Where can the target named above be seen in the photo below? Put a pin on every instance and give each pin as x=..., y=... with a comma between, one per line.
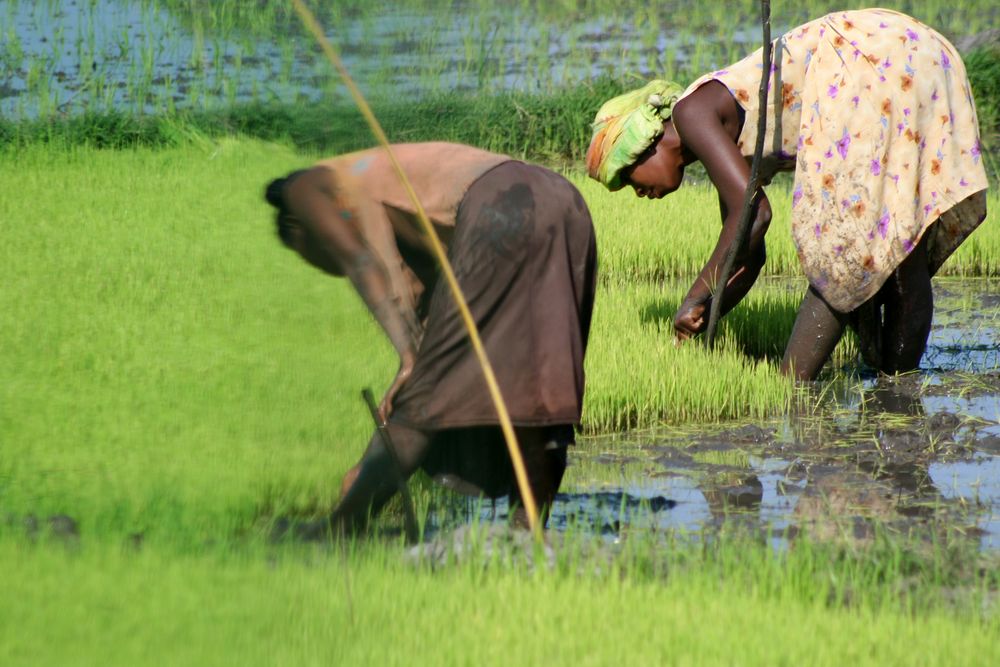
x=873, y=111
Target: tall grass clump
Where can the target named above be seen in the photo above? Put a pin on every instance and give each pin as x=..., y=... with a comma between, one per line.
x=638, y=376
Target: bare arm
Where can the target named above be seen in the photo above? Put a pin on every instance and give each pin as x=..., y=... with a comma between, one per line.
x=708, y=122
x=332, y=216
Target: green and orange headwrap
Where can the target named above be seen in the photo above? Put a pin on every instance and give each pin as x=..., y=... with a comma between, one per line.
x=625, y=126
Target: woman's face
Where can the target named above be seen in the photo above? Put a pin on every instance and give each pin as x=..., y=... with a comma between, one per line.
x=660, y=170
x=297, y=238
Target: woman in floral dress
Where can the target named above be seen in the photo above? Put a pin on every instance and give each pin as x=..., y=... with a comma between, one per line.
x=873, y=112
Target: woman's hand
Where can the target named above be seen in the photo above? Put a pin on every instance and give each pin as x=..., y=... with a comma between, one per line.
x=405, y=370
x=689, y=320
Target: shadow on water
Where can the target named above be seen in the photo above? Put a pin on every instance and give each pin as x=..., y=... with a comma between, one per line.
x=918, y=455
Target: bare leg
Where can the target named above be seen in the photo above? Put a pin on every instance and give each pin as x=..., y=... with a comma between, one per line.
x=545, y=460
x=372, y=482
x=817, y=329
x=909, y=308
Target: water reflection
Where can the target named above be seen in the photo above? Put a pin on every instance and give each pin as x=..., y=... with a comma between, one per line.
x=915, y=455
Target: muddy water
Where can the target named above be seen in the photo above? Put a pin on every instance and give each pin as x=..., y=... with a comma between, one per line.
x=918, y=454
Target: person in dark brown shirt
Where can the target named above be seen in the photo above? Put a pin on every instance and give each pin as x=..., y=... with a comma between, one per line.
x=521, y=243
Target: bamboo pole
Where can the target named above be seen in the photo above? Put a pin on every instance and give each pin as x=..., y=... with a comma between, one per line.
x=752, y=186
x=309, y=19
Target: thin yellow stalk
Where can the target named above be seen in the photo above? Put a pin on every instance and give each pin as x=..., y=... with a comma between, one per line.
x=505, y=424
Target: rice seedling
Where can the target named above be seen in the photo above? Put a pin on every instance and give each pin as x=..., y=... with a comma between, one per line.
x=673, y=237
x=131, y=297
x=648, y=601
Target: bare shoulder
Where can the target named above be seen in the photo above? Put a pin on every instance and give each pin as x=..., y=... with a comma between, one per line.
x=709, y=105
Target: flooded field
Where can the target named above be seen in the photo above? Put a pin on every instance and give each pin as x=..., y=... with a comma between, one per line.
x=70, y=56
x=917, y=454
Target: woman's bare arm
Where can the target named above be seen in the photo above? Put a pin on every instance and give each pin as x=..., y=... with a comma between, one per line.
x=708, y=122
x=332, y=216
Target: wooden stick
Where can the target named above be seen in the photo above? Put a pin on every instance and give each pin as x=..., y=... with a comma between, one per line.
x=752, y=187
x=506, y=426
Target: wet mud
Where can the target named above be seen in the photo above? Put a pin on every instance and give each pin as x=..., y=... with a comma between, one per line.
x=915, y=455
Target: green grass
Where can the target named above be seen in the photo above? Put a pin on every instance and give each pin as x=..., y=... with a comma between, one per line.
x=171, y=372
x=155, y=332
x=513, y=98
x=643, y=240
x=637, y=376
x=654, y=603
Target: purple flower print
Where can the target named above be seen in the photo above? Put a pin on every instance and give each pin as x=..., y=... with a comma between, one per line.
x=844, y=144
x=934, y=95
x=828, y=154
x=886, y=64
x=914, y=37
x=899, y=128
x=906, y=111
x=839, y=249
x=883, y=223
x=883, y=25
x=876, y=168
x=832, y=91
x=963, y=182
x=844, y=203
x=855, y=100
x=721, y=72
x=927, y=209
x=796, y=195
x=818, y=165
x=975, y=152
x=908, y=245
x=945, y=60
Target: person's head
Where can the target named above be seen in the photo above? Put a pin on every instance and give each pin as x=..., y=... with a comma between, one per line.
x=286, y=226
x=629, y=144
x=293, y=233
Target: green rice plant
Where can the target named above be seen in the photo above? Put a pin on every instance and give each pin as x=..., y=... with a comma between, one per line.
x=648, y=601
x=638, y=376
x=673, y=237
x=156, y=330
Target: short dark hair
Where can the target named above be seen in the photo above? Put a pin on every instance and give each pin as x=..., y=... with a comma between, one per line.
x=275, y=196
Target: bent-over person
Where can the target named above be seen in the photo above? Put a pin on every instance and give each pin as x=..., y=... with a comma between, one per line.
x=520, y=240
x=873, y=113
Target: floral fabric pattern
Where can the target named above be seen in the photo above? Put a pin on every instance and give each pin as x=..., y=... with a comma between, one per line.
x=874, y=113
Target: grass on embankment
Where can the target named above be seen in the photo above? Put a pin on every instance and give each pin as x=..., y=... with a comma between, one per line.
x=727, y=603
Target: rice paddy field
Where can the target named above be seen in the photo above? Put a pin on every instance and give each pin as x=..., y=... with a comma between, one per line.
x=175, y=386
